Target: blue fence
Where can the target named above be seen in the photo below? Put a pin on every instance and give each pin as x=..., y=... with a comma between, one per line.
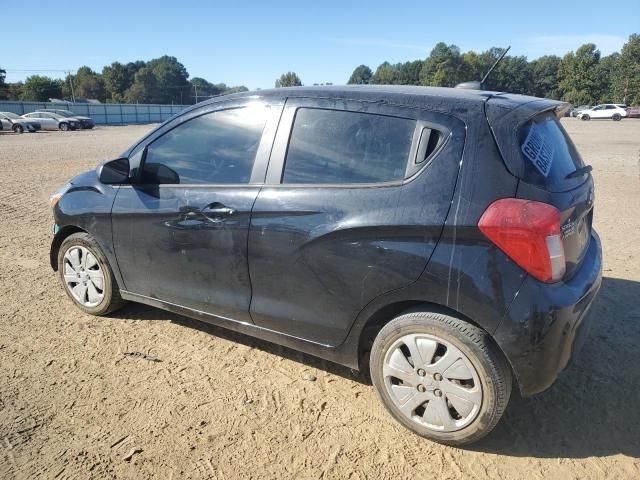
x=102, y=113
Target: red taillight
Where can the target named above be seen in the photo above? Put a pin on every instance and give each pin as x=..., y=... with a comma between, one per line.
x=529, y=233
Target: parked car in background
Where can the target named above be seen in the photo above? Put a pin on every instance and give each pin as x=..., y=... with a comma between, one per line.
x=85, y=122
x=605, y=111
x=575, y=110
x=633, y=112
x=53, y=121
x=380, y=227
x=15, y=123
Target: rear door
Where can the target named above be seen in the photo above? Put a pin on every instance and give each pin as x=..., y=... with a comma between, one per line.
x=180, y=232
x=354, y=204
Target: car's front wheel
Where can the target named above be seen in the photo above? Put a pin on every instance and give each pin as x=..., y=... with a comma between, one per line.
x=616, y=117
x=585, y=118
x=18, y=128
x=440, y=376
x=64, y=126
x=86, y=275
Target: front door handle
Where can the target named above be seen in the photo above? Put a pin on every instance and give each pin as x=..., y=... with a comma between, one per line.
x=218, y=210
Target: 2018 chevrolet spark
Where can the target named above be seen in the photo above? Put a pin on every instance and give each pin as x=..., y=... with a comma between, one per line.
x=440, y=237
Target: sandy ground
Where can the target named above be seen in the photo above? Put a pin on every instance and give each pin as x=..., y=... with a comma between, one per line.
x=221, y=405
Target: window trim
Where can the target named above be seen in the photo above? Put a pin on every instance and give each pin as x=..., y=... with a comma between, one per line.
x=277, y=162
x=258, y=171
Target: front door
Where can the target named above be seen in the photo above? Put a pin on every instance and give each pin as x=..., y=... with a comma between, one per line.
x=180, y=232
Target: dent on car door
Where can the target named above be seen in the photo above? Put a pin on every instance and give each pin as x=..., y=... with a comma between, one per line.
x=180, y=232
x=338, y=222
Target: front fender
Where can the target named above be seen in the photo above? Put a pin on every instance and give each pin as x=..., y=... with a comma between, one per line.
x=86, y=207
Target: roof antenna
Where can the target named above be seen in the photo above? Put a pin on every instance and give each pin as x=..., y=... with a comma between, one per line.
x=475, y=85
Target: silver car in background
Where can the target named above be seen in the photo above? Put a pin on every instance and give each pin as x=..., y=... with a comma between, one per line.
x=85, y=122
x=53, y=121
x=12, y=122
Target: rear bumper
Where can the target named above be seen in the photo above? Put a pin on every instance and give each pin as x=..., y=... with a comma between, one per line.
x=547, y=323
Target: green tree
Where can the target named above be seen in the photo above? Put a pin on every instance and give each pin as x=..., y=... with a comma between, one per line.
x=360, y=76
x=511, y=75
x=577, y=75
x=40, y=88
x=15, y=90
x=117, y=79
x=626, y=79
x=409, y=72
x=605, y=73
x=386, y=74
x=86, y=84
x=144, y=88
x=443, y=67
x=289, y=79
x=171, y=79
x=544, y=73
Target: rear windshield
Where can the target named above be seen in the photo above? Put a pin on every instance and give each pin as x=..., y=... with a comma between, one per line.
x=548, y=152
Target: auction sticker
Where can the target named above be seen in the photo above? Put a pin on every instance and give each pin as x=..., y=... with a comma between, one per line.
x=538, y=149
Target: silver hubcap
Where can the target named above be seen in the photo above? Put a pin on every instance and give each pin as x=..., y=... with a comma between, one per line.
x=432, y=382
x=83, y=276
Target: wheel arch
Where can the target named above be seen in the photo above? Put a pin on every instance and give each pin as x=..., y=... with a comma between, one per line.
x=60, y=237
x=387, y=313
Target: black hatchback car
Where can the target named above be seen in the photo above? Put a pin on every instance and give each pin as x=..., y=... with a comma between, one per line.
x=439, y=237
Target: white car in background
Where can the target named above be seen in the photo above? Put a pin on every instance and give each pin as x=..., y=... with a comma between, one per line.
x=606, y=110
x=53, y=121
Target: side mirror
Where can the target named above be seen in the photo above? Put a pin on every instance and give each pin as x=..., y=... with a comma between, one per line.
x=114, y=172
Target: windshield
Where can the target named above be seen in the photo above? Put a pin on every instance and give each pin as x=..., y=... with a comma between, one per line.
x=11, y=115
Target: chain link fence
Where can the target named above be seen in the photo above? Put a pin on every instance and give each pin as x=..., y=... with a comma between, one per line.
x=101, y=113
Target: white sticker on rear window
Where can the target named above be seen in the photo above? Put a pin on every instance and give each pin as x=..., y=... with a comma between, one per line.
x=538, y=150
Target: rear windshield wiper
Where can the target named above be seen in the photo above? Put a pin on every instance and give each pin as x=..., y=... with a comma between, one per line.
x=579, y=172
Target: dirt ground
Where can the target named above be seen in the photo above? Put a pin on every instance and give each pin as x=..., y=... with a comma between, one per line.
x=221, y=405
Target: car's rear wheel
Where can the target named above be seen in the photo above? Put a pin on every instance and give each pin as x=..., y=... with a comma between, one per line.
x=441, y=377
x=586, y=118
x=86, y=275
x=18, y=128
x=616, y=117
x=64, y=126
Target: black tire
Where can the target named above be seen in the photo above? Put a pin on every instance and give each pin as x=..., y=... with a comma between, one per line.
x=18, y=129
x=616, y=117
x=476, y=344
x=585, y=118
x=64, y=126
x=112, y=300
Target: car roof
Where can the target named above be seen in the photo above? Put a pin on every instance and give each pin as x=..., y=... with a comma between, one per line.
x=440, y=98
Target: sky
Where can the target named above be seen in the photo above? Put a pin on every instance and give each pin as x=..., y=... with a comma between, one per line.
x=251, y=43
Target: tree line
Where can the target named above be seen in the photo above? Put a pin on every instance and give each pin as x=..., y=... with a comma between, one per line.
x=580, y=77
x=162, y=80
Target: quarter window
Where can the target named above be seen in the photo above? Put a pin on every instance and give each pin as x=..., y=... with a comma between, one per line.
x=219, y=147
x=336, y=146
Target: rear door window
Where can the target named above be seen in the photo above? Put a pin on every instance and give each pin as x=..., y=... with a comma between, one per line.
x=343, y=147
x=548, y=152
